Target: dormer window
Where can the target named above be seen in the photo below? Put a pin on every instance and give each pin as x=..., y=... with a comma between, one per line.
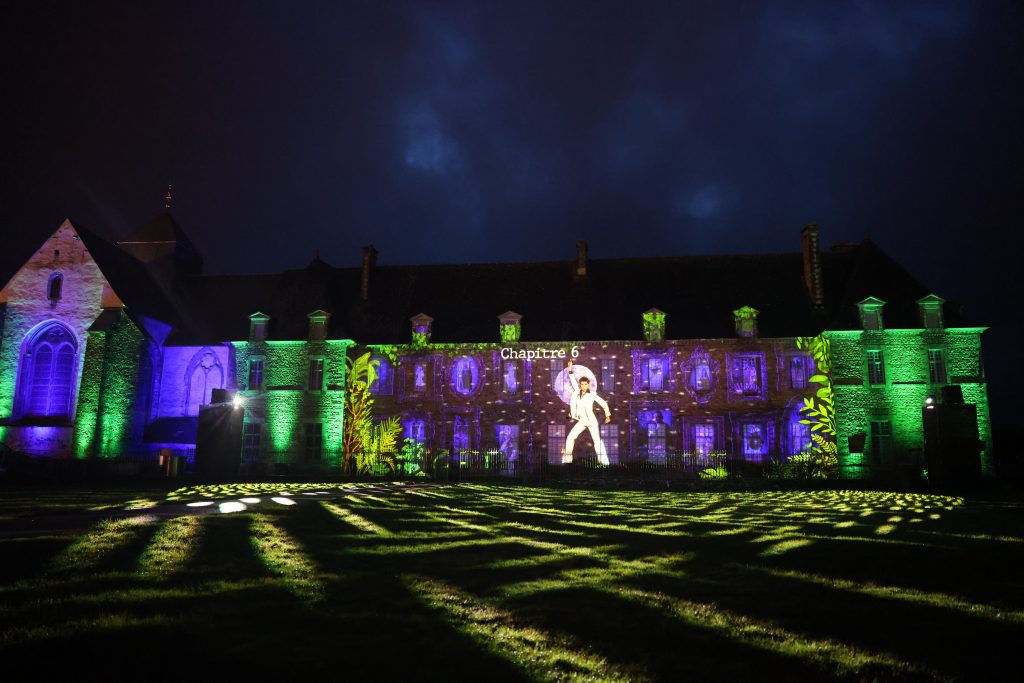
x=746, y=321
x=421, y=329
x=258, y=326
x=54, y=288
x=871, y=314
x=930, y=308
x=654, y=325
x=510, y=326
x=318, y=325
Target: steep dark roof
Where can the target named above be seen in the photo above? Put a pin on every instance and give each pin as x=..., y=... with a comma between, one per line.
x=142, y=293
x=163, y=228
x=872, y=272
x=698, y=294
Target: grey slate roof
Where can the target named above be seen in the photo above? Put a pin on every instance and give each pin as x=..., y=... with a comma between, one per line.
x=697, y=293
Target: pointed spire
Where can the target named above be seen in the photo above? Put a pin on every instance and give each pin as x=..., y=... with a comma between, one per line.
x=167, y=198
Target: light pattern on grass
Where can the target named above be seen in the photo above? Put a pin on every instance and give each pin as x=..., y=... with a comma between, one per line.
x=911, y=595
x=171, y=547
x=766, y=635
x=90, y=548
x=520, y=574
x=283, y=555
x=355, y=520
x=543, y=655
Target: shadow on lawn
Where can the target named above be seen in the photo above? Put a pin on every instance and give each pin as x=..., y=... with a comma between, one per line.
x=500, y=583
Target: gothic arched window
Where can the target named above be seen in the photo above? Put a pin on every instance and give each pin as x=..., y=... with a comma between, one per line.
x=204, y=374
x=48, y=363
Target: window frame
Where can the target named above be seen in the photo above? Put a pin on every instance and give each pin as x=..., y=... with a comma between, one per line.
x=25, y=384
x=760, y=372
x=610, y=437
x=316, y=369
x=808, y=370
x=689, y=425
x=881, y=443
x=556, y=434
x=609, y=367
x=251, y=451
x=387, y=387
x=55, y=287
x=937, y=371
x=313, y=430
x=875, y=367
x=642, y=360
x=253, y=362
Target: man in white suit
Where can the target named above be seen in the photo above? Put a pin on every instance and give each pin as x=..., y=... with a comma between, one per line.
x=581, y=409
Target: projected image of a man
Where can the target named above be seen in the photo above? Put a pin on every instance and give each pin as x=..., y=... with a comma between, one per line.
x=581, y=409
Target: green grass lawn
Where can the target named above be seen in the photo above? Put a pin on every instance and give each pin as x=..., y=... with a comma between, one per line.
x=490, y=582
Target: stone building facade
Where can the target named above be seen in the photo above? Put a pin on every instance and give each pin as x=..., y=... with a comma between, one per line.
x=108, y=350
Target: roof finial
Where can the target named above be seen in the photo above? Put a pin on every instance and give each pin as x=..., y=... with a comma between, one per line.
x=168, y=197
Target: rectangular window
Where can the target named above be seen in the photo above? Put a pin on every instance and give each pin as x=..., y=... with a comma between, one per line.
x=508, y=441
x=936, y=366
x=314, y=441
x=460, y=435
x=799, y=438
x=510, y=378
x=704, y=439
x=932, y=319
x=556, y=442
x=419, y=378
x=255, y=373
x=746, y=376
x=316, y=374
x=383, y=381
x=656, y=372
x=251, y=433
x=656, y=439
x=653, y=372
x=881, y=438
x=607, y=375
x=871, y=319
x=610, y=437
x=755, y=442
x=876, y=367
x=798, y=371
x=556, y=367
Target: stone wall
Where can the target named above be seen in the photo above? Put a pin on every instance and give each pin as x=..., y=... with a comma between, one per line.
x=902, y=396
x=28, y=306
x=285, y=405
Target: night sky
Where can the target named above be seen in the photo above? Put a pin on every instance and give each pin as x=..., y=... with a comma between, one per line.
x=476, y=132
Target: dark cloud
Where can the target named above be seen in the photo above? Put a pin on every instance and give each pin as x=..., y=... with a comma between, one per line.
x=494, y=131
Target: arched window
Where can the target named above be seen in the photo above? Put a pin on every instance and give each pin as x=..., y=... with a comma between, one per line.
x=204, y=374
x=48, y=363
x=53, y=289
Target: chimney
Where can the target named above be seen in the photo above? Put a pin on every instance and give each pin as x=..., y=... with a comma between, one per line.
x=581, y=258
x=369, y=263
x=812, y=265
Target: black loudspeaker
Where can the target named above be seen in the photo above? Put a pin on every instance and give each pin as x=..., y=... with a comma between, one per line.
x=219, y=441
x=951, y=444
x=219, y=396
